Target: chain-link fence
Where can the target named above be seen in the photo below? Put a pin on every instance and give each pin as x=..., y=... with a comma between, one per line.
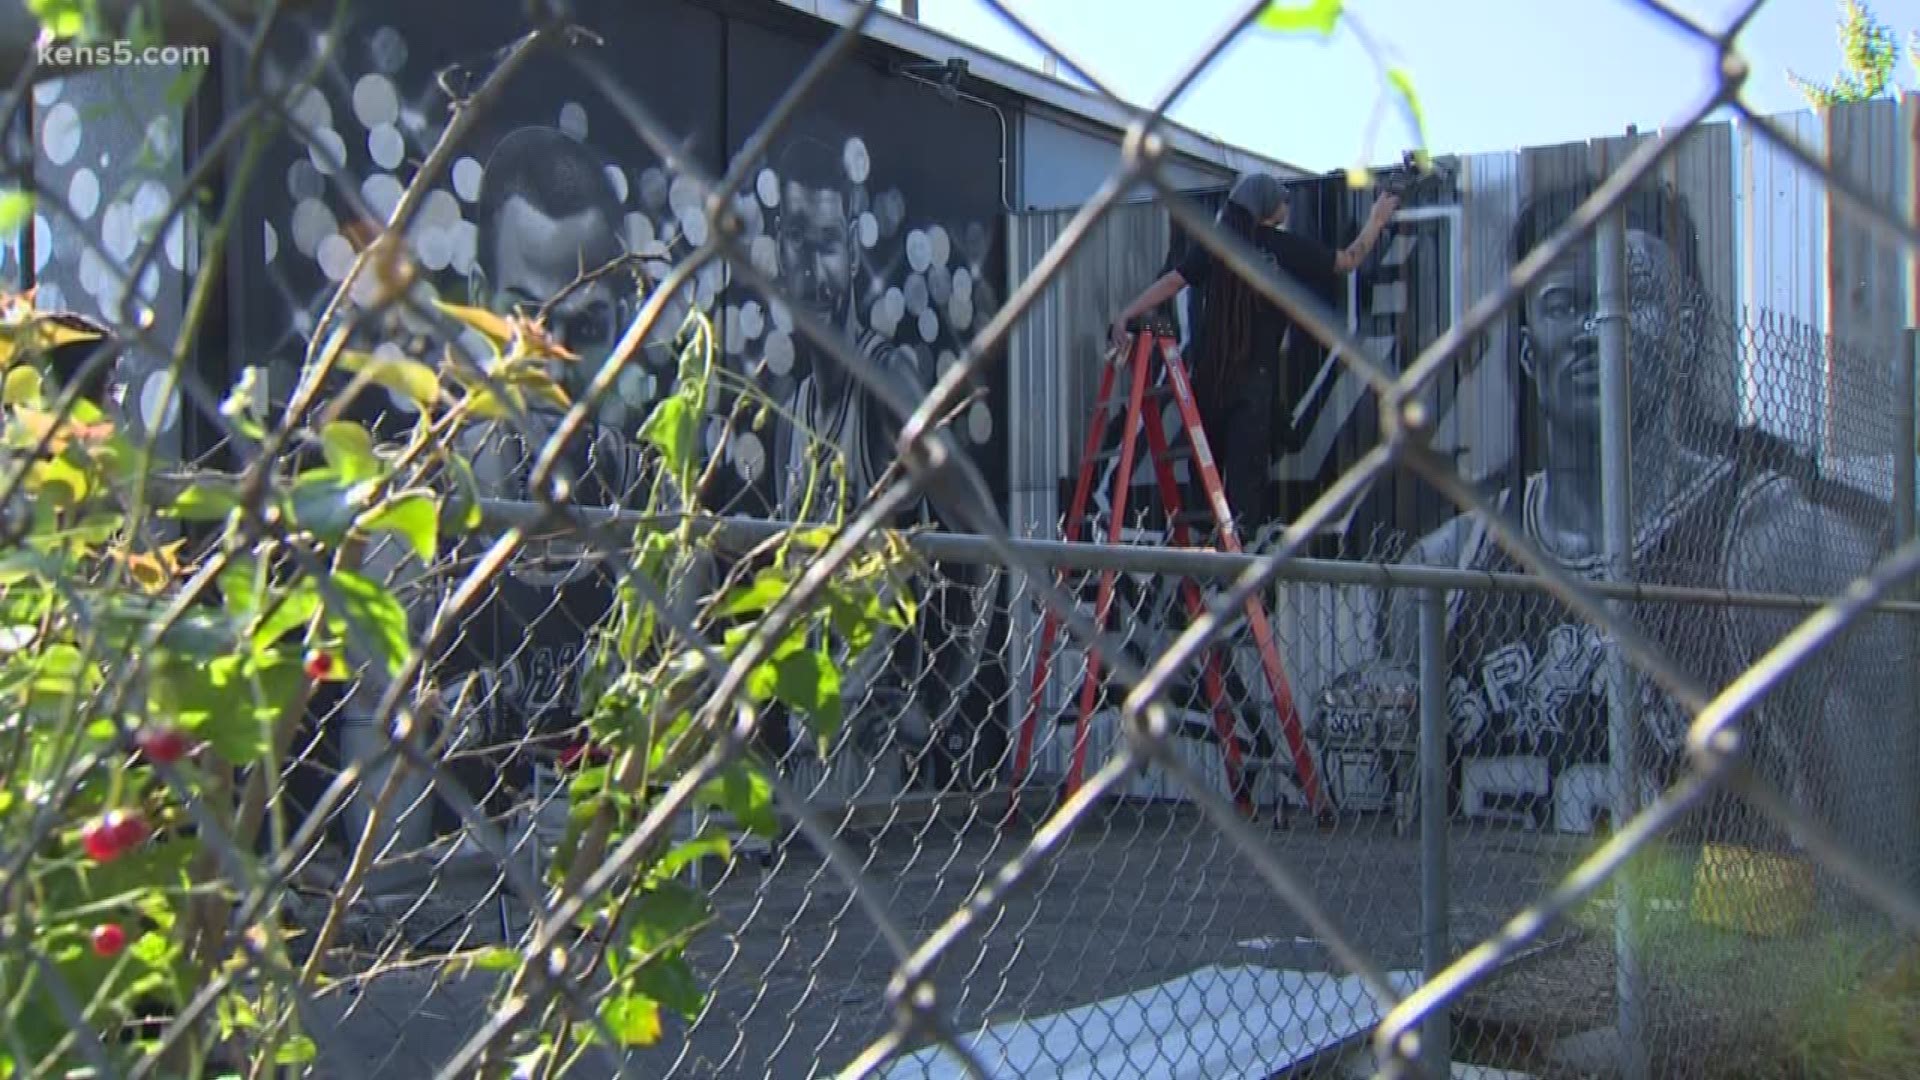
x=699, y=721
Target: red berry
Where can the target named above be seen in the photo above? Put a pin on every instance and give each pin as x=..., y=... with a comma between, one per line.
x=108, y=939
x=108, y=838
x=319, y=665
x=163, y=745
x=130, y=829
x=101, y=843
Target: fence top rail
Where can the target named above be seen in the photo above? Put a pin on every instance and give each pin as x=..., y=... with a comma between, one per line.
x=739, y=533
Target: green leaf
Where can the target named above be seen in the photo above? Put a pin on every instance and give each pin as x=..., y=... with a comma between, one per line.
x=61, y=482
x=1402, y=81
x=807, y=681
x=228, y=703
x=662, y=916
x=498, y=958
x=486, y=323
x=166, y=864
x=349, y=450
x=322, y=505
x=23, y=382
x=634, y=1019
x=206, y=501
x=670, y=429
x=713, y=843
x=461, y=511
x=410, y=379
x=375, y=611
x=182, y=87
x=740, y=790
x=201, y=633
x=297, y=1050
x=1314, y=17
x=61, y=18
x=762, y=594
x=853, y=614
x=16, y=209
x=239, y=587
x=673, y=984
x=302, y=602
x=415, y=517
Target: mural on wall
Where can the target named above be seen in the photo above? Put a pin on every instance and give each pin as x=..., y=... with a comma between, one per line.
x=534, y=198
x=110, y=164
x=1716, y=504
x=555, y=186
x=1731, y=492
x=891, y=234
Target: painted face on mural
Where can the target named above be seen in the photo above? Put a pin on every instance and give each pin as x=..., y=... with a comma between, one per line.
x=816, y=262
x=816, y=249
x=538, y=256
x=549, y=215
x=1560, y=340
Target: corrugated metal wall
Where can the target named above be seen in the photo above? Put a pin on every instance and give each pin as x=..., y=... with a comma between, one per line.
x=1057, y=347
x=1823, y=299
x=1064, y=163
x=1774, y=250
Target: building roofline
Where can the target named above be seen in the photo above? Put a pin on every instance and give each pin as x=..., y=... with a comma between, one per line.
x=916, y=37
x=186, y=24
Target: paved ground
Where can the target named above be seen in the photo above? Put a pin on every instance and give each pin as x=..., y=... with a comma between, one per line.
x=1139, y=896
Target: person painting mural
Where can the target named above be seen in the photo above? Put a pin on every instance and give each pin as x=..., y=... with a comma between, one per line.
x=1237, y=339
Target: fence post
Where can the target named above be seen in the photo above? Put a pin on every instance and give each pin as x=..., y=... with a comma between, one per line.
x=1906, y=376
x=1616, y=498
x=1436, y=1036
x=1907, y=437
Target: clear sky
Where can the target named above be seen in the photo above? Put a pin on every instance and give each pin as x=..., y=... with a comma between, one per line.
x=1492, y=74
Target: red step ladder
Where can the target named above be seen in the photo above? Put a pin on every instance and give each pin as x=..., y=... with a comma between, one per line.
x=1150, y=344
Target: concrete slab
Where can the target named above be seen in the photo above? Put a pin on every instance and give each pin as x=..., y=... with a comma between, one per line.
x=1231, y=1023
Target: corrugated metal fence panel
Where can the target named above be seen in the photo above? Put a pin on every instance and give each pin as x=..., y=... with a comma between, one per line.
x=1702, y=170
x=1482, y=424
x=1784, y=265
x=1910, y=183
x=1059, y=346
x=1762, y=226
x=1866, y=308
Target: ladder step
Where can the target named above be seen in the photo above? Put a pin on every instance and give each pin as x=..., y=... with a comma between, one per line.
x=1117, y=404
x=1174, y=454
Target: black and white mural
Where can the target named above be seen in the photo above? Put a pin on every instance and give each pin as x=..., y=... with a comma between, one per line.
x=1719, y=499
x=878, y=210
x=110, y=163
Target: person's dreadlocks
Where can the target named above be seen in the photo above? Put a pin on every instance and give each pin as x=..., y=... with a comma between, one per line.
x=1226, y=318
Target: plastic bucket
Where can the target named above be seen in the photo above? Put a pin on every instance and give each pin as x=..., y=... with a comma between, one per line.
x=1752, y=892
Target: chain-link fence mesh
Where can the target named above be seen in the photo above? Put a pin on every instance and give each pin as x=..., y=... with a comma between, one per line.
x=1612, y=771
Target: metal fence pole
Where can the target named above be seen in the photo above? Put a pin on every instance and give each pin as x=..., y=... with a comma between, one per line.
x=1616, y=497
x=1906, y=436
x=1906, y=376
x=1436, y=1038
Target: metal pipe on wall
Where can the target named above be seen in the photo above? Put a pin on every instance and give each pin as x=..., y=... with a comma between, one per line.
x=1616, y=498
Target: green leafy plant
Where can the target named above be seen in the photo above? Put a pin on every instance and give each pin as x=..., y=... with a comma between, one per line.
x=149, y=690
x=1870, y=51
x=162, y=639
x=1321, y=18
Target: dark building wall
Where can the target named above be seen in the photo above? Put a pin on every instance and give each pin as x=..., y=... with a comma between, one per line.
x=880, y=207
